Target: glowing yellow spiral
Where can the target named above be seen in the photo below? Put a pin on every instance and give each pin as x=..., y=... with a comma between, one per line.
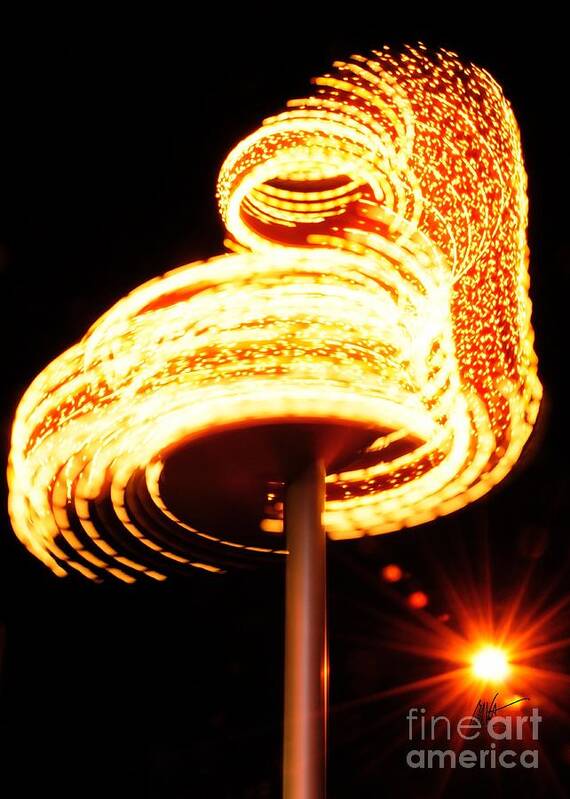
x=379, y=275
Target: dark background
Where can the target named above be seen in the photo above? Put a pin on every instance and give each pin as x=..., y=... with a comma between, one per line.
x=113, y=134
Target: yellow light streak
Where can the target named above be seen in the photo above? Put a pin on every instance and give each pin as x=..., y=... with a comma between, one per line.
x=379, y=276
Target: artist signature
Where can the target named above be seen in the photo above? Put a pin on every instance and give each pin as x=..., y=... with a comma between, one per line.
x=485, y=711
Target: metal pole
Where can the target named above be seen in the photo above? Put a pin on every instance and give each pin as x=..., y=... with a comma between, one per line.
x=304, y=745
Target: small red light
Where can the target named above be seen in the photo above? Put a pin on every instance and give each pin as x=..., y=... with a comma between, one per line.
x=392, y=573
x=418, y=599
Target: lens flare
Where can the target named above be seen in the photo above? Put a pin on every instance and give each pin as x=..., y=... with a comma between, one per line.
x=502, y=650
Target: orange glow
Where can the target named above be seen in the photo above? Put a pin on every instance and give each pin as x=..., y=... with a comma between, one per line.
x=272, y=525
x=512, y=651
x=392, y=573
x=379, y=276
x=490, y=664
x=418, y=600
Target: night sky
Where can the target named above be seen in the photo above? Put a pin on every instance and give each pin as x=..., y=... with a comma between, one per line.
x=113, y=135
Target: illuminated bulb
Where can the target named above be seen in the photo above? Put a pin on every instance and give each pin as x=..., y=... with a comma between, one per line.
x=272, y=525
x=490, y=664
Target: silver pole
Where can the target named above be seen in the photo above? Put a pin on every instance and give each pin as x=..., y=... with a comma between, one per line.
x=304, y=745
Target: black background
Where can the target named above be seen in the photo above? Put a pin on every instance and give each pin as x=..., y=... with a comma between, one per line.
x=113, y=133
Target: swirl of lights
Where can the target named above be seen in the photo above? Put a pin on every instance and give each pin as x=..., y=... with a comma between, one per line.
x=378, y=277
